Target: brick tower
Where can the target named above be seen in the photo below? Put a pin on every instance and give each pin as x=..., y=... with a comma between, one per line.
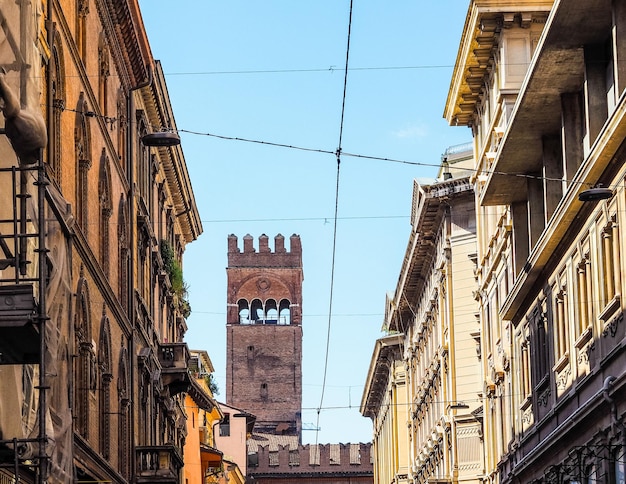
x=264, y=332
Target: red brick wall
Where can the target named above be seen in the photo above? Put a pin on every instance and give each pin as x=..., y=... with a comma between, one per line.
x=264, y=361
x=284, y=466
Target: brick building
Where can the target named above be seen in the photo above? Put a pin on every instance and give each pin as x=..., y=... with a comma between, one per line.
x=315, y=463
x=264, y=368
x=264, y=332
x=94, y=222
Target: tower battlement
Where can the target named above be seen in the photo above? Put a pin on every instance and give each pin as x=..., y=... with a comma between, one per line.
x=264, y=257
x=346, y=462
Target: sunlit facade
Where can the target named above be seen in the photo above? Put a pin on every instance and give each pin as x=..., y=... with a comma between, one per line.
x=94, y=225
x=550, y=264
x=423, y=389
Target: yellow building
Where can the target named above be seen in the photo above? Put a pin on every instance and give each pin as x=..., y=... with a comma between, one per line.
x=96, y=211
x=550, y=248
x=423, y=396
x=386, y=401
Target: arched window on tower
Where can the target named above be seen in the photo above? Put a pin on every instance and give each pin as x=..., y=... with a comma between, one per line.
x=244, y=312
x=256, y=312
x=271, y=312
x=284, y=312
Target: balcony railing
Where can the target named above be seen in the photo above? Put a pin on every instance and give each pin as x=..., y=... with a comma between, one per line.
x=158, y=464
x=174, y=359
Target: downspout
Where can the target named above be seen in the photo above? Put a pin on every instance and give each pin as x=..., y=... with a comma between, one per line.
x=615, y=423
x=130, y=141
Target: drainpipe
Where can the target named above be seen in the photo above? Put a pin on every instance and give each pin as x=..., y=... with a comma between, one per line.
x=615, y=423
x=130, y=141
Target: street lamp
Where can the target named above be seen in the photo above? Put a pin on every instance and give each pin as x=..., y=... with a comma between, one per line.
x=595, y=194
x=163, y=139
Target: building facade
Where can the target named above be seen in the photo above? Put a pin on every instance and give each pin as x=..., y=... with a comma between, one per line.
x=233, y=434
x=550, y=248
x=93, y=226
x=203, y=461
x=386, y=400
x=264, y=332
x=275, y=463
x=422, y=391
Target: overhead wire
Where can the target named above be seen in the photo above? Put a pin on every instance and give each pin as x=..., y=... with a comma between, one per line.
x=340, y=151
x=335, y=221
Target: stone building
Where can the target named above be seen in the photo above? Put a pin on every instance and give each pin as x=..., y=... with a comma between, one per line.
x=386, y=400
x=94, y=221
x=542, y=87
x=422, y=387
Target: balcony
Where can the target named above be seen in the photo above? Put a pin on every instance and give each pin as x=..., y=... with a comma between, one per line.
x=19, y=335
x=158, y=464
x=174, y=358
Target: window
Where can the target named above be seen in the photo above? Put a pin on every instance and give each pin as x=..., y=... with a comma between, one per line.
x=619, y=466
x=56, y=76
x=609, y=249
x=542, y=357
x=583, y=295
x=561, y=333
x=106, y=210
x=103, y=74
x=106, y=377
x=525, y=369
x=82, y=142
x=225, y=426
x=82, y=10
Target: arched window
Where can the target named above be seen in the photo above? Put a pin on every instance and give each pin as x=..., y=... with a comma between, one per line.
x=284, y=312
x=103, y=73
x=256, y=312
x=106, y=210
x=244, y=312
x=84, y=364
x=122, y=125
x=56, y=74
x=123, y=392
x=122, y=240
x=82, y=10
x=106, y=376
x=82, y=143
x=145, y=408
x=271, y=312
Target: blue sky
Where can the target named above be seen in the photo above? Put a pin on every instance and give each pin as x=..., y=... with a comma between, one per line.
x=272, y=71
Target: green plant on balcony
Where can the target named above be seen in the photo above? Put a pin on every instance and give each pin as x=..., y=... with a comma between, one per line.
x=212, y=384
x=175, y=272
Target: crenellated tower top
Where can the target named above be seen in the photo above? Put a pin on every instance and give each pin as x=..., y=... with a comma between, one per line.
x=264, y=257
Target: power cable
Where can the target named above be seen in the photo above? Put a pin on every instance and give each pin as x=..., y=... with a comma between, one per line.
x=335, y=220
x=340, y=152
